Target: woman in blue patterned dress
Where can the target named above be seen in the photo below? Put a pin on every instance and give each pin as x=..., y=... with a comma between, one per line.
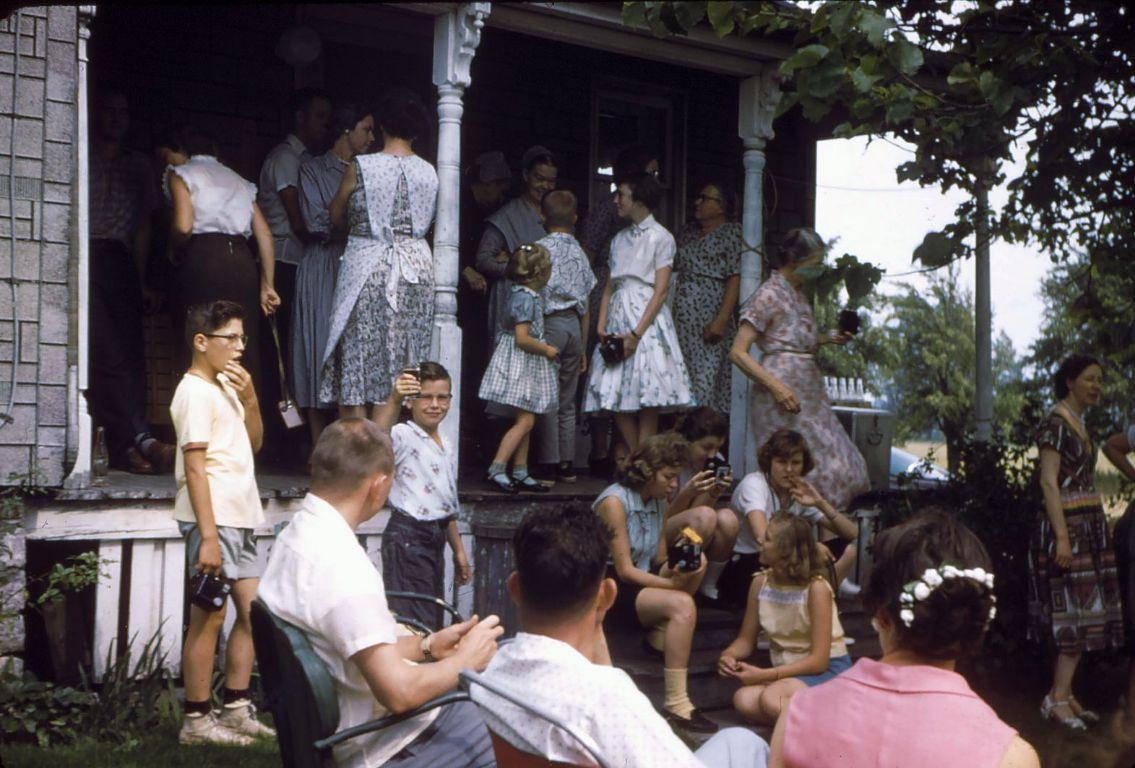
x=382, y=316
x=521, y=374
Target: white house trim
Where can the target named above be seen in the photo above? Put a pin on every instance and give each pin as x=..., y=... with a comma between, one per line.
x=759, y=96
x=80, y=475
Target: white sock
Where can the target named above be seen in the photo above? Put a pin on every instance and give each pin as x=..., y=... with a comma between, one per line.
x=713, y=570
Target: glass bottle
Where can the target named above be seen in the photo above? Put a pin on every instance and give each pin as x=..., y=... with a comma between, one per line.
x=100, y=460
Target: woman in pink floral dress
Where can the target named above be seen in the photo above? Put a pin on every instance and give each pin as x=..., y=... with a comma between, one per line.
x=789, y=390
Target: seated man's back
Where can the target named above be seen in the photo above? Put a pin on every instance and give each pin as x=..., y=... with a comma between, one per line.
x=562, y=595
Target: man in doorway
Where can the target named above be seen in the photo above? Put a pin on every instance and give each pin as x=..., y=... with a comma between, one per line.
x=123, y=195
x=309, y=113
x=559, y=660
x=320, y=580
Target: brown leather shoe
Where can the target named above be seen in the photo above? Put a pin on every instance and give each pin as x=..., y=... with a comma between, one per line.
x=160, y=455
x=135, y=463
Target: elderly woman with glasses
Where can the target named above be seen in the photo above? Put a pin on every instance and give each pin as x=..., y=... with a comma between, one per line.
x=707, y=273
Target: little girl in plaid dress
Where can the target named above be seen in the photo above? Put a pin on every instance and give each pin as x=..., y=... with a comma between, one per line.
x=521, y=373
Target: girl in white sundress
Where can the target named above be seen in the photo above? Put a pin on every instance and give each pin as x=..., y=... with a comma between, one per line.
x=521, y=373
x=652, y=375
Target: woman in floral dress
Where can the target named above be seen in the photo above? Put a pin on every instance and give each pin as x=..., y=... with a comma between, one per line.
x=789, y=390
x=382, y=316
x=707, y=271
x=1075, y=596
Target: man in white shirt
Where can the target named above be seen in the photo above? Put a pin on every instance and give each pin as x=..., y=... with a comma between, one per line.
x=319, y=579
x=562, y=594
x=278, y=198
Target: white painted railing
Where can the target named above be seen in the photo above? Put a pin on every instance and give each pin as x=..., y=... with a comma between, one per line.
x=145, y=568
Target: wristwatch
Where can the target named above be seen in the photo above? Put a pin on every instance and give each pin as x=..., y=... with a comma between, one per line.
x=426, y=654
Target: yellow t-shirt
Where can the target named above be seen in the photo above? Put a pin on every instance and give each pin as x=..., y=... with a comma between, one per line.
x=203, y=412
x=784, y=614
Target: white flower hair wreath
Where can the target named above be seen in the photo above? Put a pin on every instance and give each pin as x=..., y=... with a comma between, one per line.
x=932, y=578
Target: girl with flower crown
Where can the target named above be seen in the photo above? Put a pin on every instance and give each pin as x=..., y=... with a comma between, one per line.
x=794, y=603
x=930, y=596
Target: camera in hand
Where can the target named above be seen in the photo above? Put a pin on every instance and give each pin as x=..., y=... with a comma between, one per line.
x=848, y=321
x=208, y=592
x=684, y=555
x=611, y=349
x=720, y=468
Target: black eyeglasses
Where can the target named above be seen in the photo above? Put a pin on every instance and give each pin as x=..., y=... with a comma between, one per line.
x=231, y=338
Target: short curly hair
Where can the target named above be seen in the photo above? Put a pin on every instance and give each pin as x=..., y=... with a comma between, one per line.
x=781, y=445
x=665, y=450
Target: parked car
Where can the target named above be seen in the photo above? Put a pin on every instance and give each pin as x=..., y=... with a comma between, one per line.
x=908, y=470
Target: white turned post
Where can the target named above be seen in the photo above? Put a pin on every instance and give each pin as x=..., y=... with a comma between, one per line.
x=80, y=475
x=456, y=36
x=759, y=97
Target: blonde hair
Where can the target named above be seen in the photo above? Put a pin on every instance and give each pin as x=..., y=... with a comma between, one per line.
x=529, y=263
x=800, y=557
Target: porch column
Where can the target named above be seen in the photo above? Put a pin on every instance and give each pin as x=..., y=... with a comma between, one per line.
x=456, y=36
x=759, y=97
x=78, y=416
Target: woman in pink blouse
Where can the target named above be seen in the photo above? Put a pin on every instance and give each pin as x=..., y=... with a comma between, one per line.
x=931, y=596
x=789, y=390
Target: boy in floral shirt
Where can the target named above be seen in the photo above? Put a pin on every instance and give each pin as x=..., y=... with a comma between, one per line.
x=565, y=328
x=423, y=500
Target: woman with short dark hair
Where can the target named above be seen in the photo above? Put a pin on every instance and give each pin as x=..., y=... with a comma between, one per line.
x=382, y=319
x=707, y=276
x=930, y=598
x=789, y=390
x=1075, y=593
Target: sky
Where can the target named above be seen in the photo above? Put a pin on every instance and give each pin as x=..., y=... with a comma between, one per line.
x=879, y=220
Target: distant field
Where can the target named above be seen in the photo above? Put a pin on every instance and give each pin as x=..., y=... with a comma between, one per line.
x=1108, y=481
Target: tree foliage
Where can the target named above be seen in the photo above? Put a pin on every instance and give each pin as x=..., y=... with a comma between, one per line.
x=928, y=357
x=962, y=82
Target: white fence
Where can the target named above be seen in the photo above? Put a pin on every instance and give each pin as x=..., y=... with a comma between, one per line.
x=142, y=592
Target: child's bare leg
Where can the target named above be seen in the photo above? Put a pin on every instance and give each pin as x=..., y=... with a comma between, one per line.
x=627, y=424
x=746, y=700
x=510, y=441
x=239, y=652
x=774, y=699
x=198, y=652
x=647, y=423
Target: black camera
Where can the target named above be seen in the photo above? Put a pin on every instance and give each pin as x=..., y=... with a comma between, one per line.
x=684, y=555
x=849, y=321
x=612, y=350
x=208, y=592
x=720, y=468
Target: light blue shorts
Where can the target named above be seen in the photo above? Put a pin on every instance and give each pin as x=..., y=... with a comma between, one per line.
x=837, y=665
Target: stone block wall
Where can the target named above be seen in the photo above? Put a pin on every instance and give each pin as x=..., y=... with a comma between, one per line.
x=38, y=293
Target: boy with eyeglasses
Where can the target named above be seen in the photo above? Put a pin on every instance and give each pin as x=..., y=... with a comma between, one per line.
x=423, y=499
x=217, y=419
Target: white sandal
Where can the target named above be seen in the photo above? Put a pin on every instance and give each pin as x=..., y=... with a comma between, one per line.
x=1073, y=723
x=1087, y=715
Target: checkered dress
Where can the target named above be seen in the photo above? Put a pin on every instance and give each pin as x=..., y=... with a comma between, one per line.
x=515, y=377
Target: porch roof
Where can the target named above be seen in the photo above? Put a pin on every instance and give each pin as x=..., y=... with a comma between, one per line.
x=600, y=25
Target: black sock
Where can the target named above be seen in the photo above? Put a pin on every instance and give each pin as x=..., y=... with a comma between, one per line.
x=198, y=707
x=236, y=694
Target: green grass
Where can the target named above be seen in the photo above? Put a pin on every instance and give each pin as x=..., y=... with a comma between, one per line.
x=157, y=749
